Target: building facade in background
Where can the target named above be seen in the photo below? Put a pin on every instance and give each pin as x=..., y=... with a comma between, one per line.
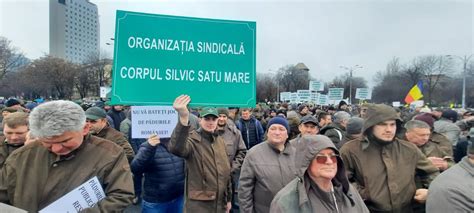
x=74, y=30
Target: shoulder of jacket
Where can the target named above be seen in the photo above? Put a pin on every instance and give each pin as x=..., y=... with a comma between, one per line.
x=353, y=145
x=104, y=144
x=408, y=145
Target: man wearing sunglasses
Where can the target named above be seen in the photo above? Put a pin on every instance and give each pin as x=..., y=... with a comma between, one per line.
x=97, y=120
x=321, y=184
x=383, y=167
x=208, y=186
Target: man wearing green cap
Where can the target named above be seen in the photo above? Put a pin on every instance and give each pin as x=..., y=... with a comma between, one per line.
x=208, y=187
x=97, y=120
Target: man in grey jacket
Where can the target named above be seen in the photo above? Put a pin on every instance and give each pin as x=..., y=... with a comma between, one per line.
x=268, y=167
x=453, y=190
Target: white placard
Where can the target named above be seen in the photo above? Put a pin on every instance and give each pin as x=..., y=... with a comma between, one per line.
x=323, y=100
x=314, y=97
x=10, y=209
x=419, y=103
x=285, y=96
x=316, y=86
x=396, y=104
x=80, y=198
x=148, y=120
x=293, y=97
x=363, y=94
x=335, y=94
x=104, y=91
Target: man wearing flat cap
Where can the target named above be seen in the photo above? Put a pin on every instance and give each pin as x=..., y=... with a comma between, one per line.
x=97, y=120
x=208, y=186
x=308, y=126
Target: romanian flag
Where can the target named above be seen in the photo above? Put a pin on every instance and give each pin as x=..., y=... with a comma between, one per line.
x=415, y=93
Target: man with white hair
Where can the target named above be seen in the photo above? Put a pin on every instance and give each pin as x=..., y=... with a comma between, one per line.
x=336, y=130
x=63, y=157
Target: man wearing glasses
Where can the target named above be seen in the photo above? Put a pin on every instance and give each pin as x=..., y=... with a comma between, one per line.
x=383, y=168
x=97, y=120
x=208, y=186
x=321, y=184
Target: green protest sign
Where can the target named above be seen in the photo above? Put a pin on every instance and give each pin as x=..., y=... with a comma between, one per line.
x=159, y=57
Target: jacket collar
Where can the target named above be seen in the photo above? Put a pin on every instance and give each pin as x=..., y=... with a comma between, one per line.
x=71, y=155
x=285, y=151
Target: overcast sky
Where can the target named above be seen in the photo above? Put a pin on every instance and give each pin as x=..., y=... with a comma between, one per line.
x=322, y=34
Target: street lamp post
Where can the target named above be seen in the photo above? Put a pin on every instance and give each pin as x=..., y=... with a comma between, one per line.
x=465, y=59
x=350, y=69
x=277, y=82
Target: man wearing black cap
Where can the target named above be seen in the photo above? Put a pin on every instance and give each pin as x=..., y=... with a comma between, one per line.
x=308, y=126
x=97, y=121
x=208, y=186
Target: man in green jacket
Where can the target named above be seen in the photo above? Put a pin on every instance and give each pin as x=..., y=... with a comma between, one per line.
x=382, y=167
x=15, y=129
x=97, y=119
x=63, y=157
x=208, y=186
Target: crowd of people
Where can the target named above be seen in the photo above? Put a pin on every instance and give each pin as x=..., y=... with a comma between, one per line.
x=277, y=157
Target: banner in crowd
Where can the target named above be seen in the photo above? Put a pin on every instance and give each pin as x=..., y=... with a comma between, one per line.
x=294, y=97
x=336, y=94
x=159, y=57
x=316, y=86
x=148, y=120
x=314, y=97
x=285, y=96
x=303, y=95
x=104, y=91
x=323, y=100
x=363, y=94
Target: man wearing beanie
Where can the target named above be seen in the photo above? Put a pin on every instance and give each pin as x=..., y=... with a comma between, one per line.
x=382, y=167
x=235, y=148
x=453, y=190
x=267, y=168
x=439, y=139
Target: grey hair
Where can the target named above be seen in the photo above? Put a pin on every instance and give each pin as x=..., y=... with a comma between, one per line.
x=416, y=124
x=55, y=118
x=341, y=116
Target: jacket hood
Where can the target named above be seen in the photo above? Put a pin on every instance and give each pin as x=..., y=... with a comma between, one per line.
x=308, y=147
x=377, y=113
